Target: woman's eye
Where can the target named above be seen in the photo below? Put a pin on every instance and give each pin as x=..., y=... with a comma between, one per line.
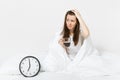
x=72, y=21
x=67, y=19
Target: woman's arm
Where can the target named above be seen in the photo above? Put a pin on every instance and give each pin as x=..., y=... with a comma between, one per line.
x=85, y=31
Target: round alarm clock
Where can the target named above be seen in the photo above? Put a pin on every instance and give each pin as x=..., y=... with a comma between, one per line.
x=29, y=66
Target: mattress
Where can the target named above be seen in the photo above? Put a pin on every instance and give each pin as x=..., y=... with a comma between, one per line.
x=59, y=76
x=9, y=71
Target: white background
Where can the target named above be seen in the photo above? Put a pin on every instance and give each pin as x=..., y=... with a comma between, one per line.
x=27, y=26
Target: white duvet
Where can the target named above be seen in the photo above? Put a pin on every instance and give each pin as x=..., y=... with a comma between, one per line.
x=59, y=76
x=90, y=68
x=87, y=62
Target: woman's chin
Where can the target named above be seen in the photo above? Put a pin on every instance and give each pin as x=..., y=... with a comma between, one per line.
x=70, y=28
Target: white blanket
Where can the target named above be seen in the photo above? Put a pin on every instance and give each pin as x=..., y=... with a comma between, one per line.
x=58, y=76
x=87, y=62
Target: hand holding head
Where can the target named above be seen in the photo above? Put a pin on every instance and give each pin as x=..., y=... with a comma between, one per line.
x=76, y=12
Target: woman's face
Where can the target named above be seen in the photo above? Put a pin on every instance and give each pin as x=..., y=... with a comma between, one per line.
x=71, y=22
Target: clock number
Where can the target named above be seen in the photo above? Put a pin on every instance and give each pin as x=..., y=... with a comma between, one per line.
x=29, y=64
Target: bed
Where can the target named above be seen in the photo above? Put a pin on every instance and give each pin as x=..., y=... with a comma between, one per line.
x=9, y=71
x=58, y=76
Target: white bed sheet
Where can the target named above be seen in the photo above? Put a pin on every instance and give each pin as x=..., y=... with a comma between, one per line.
x=11, y=72
x=59, y=76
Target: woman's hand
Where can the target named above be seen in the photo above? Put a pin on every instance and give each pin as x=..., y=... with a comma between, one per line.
x=77, y=14
x=61, y=42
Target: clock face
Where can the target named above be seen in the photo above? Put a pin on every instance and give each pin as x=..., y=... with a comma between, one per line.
x=29, y=66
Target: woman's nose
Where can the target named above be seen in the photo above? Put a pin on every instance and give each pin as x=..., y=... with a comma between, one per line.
x=69, y=23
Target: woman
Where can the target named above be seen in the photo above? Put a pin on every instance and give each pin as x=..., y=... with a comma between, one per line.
x=76, y=29
x=60, y=56
x=80, y=56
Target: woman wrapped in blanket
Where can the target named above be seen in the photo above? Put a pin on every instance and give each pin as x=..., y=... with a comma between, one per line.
x=75, y=29
x=77, y=54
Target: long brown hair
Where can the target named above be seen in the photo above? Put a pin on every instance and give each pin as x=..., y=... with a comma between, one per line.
x=66, y=31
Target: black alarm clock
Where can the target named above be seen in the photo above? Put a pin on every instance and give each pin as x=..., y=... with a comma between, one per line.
x=29, y=66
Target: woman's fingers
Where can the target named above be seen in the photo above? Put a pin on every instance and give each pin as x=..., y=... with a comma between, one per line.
x=76, y=13
x=60, y=41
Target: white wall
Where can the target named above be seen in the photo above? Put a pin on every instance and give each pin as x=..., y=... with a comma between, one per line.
x=27, y=26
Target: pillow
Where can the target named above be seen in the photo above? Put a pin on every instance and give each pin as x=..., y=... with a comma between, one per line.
x=11, y=65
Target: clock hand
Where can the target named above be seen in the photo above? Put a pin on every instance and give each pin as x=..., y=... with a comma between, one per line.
x=29, y=65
